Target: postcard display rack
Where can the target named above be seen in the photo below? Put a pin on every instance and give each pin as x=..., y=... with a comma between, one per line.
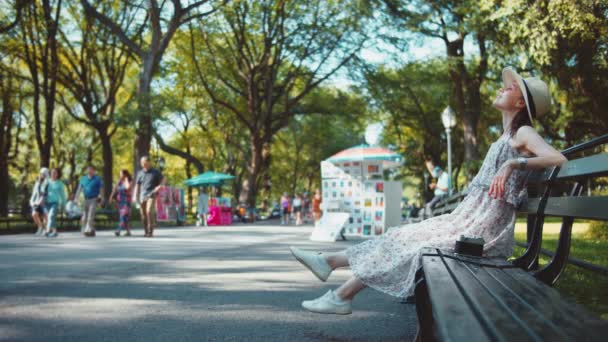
x=170, y=205
x=357, y=188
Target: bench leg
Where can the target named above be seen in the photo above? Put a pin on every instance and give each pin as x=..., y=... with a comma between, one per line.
x=423, y=309
x=418, y=338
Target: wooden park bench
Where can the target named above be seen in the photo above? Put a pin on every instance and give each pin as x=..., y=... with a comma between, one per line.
x=448, y=204
x=465, y=298
x=17, y=223
x=106, y=217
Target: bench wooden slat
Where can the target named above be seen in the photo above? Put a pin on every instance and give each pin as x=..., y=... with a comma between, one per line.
x=506, y=302
x=445, y=299
x=572, y=318
x=513, y=318
x=530, y=205
x=535, y=314
x=595, y=208
x=587, y=167
x=533, y=292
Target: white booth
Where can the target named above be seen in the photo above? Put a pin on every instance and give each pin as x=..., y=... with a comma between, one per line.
x=357, y=201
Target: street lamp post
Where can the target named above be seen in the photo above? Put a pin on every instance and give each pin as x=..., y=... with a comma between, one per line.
x=449, y=121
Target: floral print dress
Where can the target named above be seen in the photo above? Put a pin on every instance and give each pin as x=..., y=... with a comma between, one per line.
x=123, y=199
x=389, y=262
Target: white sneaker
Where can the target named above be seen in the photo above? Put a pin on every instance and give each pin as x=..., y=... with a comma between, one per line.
x=329, y=303
x=316, y=263
x=40, y=231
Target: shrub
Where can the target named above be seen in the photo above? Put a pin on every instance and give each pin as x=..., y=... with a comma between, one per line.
x=598, y=230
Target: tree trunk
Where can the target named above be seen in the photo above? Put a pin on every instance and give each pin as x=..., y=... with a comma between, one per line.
x=43, y=61
x=25, y=188
x=470, y=120
x=296, y=169
x=143, y=134
x=469, y=112
x=254, y=166
x=188, y=176
x=4, y=185
x=309, y=185
x=6, y=126
x=72, y=178
x=106, y=147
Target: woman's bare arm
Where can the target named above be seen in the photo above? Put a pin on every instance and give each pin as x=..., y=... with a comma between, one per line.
x=544, y=156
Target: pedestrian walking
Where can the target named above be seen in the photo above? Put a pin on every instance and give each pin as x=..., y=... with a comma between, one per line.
x=122, y=195
x=202, y=208
x=37, y=200
x=55, y=201
x=147, y=185
x=285, y=203
x=306, y=207
x=90, y=185
x=297, y=209
x=316, y=206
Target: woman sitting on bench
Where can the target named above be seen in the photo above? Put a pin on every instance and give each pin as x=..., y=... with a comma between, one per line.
x=388, y=263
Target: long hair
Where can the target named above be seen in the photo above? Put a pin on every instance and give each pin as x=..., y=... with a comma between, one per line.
x=521, y=119
x=127, y=174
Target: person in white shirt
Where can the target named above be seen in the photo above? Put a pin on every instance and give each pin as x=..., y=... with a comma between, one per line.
x=297, y=209
x=202, y=208
x=440, y=189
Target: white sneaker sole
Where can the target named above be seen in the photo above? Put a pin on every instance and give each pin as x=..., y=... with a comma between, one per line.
x=319, y=276
x=327, y=312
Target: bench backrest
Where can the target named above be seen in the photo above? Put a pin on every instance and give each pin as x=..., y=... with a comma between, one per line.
x=448, y=204
x=549, y=202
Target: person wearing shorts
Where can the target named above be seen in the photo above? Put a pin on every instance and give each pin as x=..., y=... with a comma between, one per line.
x=297, y=209
x=37, y=200
x=147, y=185
x=285, y=208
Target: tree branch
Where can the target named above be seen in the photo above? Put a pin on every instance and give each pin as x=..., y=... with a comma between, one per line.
x=103, y=19
x=176, y=152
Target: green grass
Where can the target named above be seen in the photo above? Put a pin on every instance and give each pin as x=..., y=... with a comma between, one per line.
x=584, y=287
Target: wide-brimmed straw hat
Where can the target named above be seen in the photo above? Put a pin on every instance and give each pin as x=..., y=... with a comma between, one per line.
x=535, y=91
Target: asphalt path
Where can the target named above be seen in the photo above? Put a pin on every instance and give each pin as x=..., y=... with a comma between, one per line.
x=237, y=283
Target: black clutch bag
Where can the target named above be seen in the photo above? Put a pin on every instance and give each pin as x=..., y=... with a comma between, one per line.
x=469, y=246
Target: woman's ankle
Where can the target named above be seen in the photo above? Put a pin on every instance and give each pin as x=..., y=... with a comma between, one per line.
x=330, y=260
x=342, y=296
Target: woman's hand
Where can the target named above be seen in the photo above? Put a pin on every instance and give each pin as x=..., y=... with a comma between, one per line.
x=497, y=188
